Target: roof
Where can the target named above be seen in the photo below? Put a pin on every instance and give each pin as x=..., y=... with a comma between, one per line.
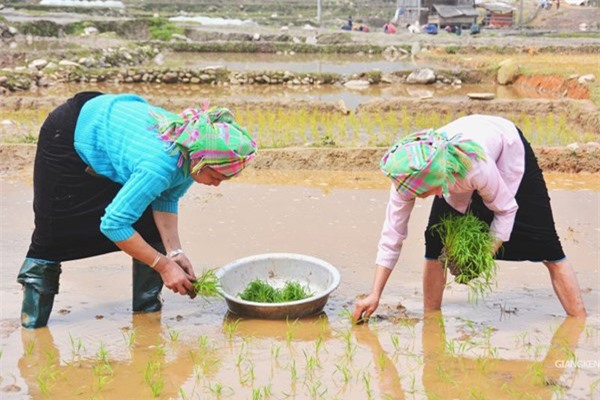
x=446, y=11
x=497, y=7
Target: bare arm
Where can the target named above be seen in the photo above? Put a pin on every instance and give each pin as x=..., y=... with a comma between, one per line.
x=367, y=306
x=174, y=277
x=167, y=224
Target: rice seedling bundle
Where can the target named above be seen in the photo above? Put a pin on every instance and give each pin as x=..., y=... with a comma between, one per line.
x=262, y=292
x=207, y=285
x=467, y=251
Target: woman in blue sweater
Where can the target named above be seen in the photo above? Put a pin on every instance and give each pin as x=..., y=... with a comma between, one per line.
x=109, y=172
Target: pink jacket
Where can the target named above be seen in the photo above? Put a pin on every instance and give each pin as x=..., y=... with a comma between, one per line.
x=496, y=179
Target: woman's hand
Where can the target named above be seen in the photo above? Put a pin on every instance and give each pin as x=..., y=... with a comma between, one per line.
x=174, y=276
x=185, y=264
x=365, y=307
x=496, y=246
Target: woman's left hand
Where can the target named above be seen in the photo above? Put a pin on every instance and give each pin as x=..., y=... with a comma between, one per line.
x=185, y=263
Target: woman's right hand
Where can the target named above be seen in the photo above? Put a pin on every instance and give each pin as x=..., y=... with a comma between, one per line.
x=174, y=277
x=365, y=307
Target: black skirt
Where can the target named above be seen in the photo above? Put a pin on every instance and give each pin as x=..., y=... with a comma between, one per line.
x=533, y=237
x=68, y=200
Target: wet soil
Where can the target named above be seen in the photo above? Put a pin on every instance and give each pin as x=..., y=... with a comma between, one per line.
x=17, y=159
x=94, y=346
x=328, y=203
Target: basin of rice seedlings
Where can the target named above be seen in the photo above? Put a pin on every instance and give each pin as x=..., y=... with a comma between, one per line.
x=262, y=292
x=467, y=251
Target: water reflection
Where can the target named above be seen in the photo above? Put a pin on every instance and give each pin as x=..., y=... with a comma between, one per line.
x=278, y=93
x=311, y=328
x=388, y=377
x=447, y=374
x=301, y=63
x=149, y=368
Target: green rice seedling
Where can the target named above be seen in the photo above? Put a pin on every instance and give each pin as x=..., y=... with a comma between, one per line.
x=76, y=346
x=312, y=363
x=231, y=328
x=160, y=349
x=267, y=391
x=130, y=337
x=290, y=331
x=203, y=342
x=260, y=291
x=207, y=285
x=173, y=334
x=345, y=371
x=257, y=394
x=247, y=377
x=476, y=394
x=594, y=388
x=29, y=347
x=412, y=387
x=318, y=345
x=219, y=390
x=46, y=377
x=315, y=391
x=382, y=362
x=243, y=353
x=102, y=356
x=154, y=378
x=350, y=347
x=395, y=342
x=275, y=350
x=293, y=371
x=467, y=252
x=346, y=314
x=367, y=382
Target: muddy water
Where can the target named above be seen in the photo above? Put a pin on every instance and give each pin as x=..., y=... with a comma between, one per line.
x=302, y=63
x=332, y=94
x=514, y=344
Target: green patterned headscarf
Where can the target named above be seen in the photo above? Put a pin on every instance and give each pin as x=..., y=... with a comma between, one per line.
x=428, y=160
x=209, y=135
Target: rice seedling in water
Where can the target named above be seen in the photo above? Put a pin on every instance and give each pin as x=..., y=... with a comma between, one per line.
x=207, y=285
x=467, y=252
x=346, y=374
x=130, y=337
x=29, y=347
x=231, y=328
x=173, y=334
x=262, y=292
x=594, y=387
x=76, y=346
x=154, y=378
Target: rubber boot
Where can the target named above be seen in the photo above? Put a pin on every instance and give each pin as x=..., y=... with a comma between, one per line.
x=40, y=283
x=147, y=285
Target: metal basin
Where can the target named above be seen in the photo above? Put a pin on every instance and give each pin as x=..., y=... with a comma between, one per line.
x=319, y=276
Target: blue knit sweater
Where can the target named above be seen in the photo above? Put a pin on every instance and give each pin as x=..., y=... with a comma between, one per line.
x=114, y=136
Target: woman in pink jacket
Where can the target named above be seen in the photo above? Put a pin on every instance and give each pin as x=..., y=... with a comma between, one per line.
x=484, y=164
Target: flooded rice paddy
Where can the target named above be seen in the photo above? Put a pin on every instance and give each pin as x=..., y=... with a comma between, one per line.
x=516, y=343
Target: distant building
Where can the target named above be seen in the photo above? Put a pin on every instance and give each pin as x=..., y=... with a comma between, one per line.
x=440, y=12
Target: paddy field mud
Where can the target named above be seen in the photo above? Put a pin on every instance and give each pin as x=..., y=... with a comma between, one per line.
x=315, y=189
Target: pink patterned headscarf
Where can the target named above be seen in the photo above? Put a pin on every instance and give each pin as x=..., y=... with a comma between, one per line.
x=209, y=135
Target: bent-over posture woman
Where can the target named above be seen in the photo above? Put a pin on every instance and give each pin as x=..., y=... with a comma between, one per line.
x=109, y=172
x=483, y=164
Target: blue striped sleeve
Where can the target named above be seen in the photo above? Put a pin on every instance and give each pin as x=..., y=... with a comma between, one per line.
x=130, y=203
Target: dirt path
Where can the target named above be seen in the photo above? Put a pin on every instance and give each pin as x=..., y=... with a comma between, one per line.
x=17, y=159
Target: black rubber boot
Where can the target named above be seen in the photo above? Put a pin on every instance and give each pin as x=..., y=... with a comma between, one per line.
x=40, y=283
x=147, y=285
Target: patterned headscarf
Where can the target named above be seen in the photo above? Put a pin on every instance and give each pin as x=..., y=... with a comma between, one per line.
x=209, y=135
x=428, y=160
